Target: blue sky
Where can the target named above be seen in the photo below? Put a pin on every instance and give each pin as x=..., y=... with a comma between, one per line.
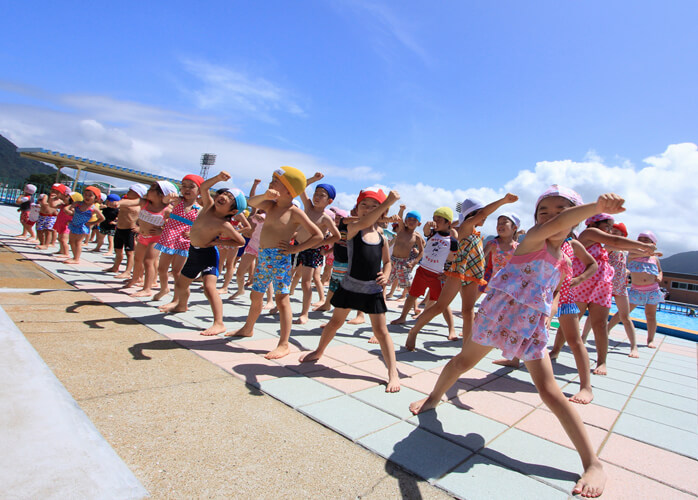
x=440, y=100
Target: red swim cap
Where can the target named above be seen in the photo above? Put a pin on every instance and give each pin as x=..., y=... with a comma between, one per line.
x=196, y=179
x=621, y=227
x=379, y=196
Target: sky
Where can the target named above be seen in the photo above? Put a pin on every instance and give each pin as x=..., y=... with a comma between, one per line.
x=440, y=101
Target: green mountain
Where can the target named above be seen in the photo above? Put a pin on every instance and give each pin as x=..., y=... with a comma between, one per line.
x=14, y=168
x=684, y=262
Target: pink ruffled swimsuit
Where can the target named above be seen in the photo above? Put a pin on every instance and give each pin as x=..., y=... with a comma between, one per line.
x=513, y=316
x=172, y=240
x=599, y=288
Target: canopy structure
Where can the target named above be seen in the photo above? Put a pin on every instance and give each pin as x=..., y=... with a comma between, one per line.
x=62, y=160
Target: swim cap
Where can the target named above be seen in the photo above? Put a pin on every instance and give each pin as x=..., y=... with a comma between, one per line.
x=139, y=189
x=377, y=195
x=561, y=191
x=196, y=179
x=468, y=206
x=292, y=178
x=240, y=200
x=621, y=227
x=296, y=203
x=444, y=213
x=413, y=214
x=512, y=217
x=331, y=191
x=113, y=197
x=30, y=189
x=103, y=197
x=340, y=212
x=167, y=188
x=61, y=188
x=598, y=218
x=95, y=190
x=76, y=197
x=649, y=235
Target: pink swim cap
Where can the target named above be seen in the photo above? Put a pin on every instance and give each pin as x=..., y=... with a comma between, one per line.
x=598, y=218
x=649, y=235
x=561, y=191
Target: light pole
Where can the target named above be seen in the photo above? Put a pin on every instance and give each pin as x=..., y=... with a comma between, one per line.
x=207, y=159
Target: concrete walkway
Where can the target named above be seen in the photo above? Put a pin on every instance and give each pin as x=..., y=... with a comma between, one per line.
x=492, y=438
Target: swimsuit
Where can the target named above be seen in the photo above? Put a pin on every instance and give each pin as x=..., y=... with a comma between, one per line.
x=498, y=258
x=201, y=260
x=45, y=222
x=172, y=240
x=252, y=247
x=124, y=238
x=153, y=218
x=620, y=279
x=431, y=267
x=359, y=289
x=62, y=220
x=469, y=263
x=567, y=305
x=80, y=219
x=641, y=295
x=312, y=257
x=272, y=266
x=106, y=226
x=400, y=271
x=341, y=258
x=599, y=288
x=514, y=314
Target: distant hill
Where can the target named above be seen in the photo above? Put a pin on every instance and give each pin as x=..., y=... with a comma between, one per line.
x=14, y=168
x=684, y=262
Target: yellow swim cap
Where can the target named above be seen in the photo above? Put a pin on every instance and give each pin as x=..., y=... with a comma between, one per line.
x=292, y=178
x=444, y=212
x=76, y=197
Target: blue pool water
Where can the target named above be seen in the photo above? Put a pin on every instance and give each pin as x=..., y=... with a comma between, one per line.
x=679, y=320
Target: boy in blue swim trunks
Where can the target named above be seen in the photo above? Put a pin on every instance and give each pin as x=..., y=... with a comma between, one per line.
x=212, y=223
x=274, y=258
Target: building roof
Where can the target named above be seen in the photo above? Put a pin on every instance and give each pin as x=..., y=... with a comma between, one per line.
x=685, y=276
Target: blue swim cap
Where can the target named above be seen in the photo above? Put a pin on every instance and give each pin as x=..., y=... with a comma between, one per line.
x=240, y=200
x=414, y=215
x=113, y=197
x=331, y=191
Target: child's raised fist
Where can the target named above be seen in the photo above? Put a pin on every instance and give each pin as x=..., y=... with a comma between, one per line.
x=393, y=196
x=271, y=194
x=610, y=203
x=223, y=175
x=510, y=198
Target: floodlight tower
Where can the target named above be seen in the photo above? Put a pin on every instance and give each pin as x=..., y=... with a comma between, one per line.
x=207, y=159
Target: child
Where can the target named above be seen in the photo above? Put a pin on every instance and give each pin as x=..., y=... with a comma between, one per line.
x=212, y=223
x=61, y=226
x=645, y=275
x=125, y=234
x=155, y=208
x=249, y=255
x=362, y=287
x=173, y=244
x=274, y=257
x=467, y=270
x=514, y=314
x=57, y=197
x=29, y=211
x=408, y=247
x=596, y=292
x=80, y=225
x=311, y=258
x=108, y=226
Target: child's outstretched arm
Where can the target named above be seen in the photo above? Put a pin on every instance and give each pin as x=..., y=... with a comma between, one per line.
x=591, y=266
x=204, y=190
x=371, y=218
x=401, y=214
x=488, y=210
x=307, y=202
x=253, y=192
x=264, y=201
x=316, y=236
x=384, y=273
x=420, y=252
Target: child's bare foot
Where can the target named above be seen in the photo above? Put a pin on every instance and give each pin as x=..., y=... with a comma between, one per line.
x=279, y=352
x=110, y=269
x=583, y=397
x=173, y=307
x=600, y=369
x=109, y=254
x=236, y=294
x=322, y=307
x=634, y=353
x=373, y=340
x=301, y=320
x=651, y=345
x=393, y=384
x=398, y=321
x=143, y=293
x=307, y=357
x=514, y=363
x=274, y=310
x=554, y=354
x=416, y=313
x=222, y=290
x=242, y=332
x=422, y=405
x=453, y=336
x=268, y=305
x=592, y=482
x=161, y=293
x=317, y=305
x=71, y=261
x=95, y=250
x=411, y=341
x=359, y=320
x=214, y=329
x=123, y=276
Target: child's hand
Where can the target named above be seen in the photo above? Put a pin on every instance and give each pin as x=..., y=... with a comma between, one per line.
x=610, y=203
x=393, y=196
x=223, y=175
x=430, y=225
x=510, y=198
x=185, y=235
x=403, y=207
x=257, y=182
x=286, y=248
x=575, y=281
x=381, y=279
x=271, y=194
x=317, y=176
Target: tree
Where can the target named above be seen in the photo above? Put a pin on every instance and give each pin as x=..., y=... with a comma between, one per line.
x=46, y=179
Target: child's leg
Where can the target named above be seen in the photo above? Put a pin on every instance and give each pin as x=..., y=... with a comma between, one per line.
x=325, y=306
x=129, y=265
x=244, y=267
x=180, y=301
x=358, y=320
x=469, y=294
x=448, y=293
x=380, y=331
x=466, y=359
x=150, y=271
x=598, y=315
x=100, y=241
x=216, y=305
x=409, y=303
x=569, y=323
x=53, y=234
x=592, y=482
x=75, y=241
x=138, y=265
x=328, y=333
x=296, y=277
x=393, y=286
x=319, y=286
x=623, y=315
x=163, y=268
x=283, y=302
x=118, y=257
x=448, y=317
x=110, y=249
x=247, y=330
x=229, y=254
x=63, y=244
x=307, y=287
x=559, y=342
x=651, y=317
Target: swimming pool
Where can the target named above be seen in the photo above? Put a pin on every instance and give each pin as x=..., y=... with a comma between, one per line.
x=679, y=320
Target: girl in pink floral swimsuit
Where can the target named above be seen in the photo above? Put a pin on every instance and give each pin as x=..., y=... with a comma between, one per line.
x=513, y=318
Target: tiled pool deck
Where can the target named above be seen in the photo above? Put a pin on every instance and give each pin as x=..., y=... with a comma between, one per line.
x=492, y=438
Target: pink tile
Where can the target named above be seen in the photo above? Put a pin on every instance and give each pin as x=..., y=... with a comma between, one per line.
x=291, y=362
x=263, y=346
x=348, y=379
x=595, y=415
x=349, y=354
x=474, y=377
x=376, y=366
x=626, y=484
x=192, y=336
x=689, y=352
x=425, y=382
x=511, y=388
x=223, y=354
x=492, y=405
x=544, y=424
x=256, y=369
x=648, y=460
